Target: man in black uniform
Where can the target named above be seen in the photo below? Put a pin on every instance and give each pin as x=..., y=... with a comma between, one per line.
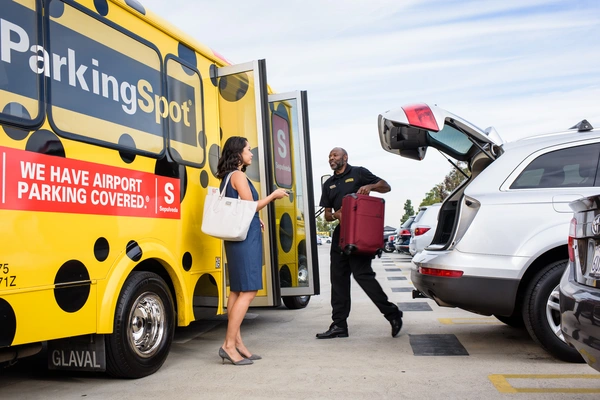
x=345, y=180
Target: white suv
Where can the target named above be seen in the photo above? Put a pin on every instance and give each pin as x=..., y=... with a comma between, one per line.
x=423, y=228
x=500, y=246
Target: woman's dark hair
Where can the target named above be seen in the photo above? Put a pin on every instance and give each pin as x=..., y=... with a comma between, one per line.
x=231, y=156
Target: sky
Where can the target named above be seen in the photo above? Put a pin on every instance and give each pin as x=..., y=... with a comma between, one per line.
x=525, y=67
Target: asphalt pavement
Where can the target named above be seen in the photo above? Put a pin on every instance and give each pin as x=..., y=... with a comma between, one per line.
x=440, y=353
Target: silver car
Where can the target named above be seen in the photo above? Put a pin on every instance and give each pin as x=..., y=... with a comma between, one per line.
x=500, y=246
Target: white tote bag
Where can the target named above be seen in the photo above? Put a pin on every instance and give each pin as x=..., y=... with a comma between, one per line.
x=227, y=218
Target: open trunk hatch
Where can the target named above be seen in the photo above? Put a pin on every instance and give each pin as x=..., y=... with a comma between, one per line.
x=409, y=130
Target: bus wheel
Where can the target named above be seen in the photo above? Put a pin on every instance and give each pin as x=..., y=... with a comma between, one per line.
x=143, y=328
x=295, y=302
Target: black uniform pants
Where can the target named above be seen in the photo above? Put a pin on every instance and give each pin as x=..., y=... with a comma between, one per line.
x=360, y=266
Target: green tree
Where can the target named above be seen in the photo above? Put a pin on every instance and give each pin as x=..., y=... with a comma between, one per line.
x=408, y=211
x=442, y=190
x=325, y=226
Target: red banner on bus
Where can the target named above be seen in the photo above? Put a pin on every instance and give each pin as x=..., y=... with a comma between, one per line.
x=39, y=182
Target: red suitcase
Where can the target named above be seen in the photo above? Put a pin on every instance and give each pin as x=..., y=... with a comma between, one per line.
x=361, y=229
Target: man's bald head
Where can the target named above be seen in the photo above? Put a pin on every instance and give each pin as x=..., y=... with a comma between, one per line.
x=340, y=150
x=338, y=159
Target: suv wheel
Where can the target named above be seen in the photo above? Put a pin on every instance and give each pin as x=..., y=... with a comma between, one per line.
x=541, y=312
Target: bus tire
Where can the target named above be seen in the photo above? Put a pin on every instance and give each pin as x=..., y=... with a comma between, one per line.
x=295, y=302
x=143, y=327
x=541, y=313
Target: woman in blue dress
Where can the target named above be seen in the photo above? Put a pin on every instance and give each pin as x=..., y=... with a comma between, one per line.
x=244, y=259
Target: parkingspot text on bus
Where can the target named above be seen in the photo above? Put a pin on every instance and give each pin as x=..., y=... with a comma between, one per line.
x=111, y=127
x=93, y=79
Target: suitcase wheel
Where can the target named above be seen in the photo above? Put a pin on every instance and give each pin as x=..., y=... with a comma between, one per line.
x=349, y=249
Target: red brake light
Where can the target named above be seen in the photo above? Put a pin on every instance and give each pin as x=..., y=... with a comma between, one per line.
x=420, y=231
x=447, y=273
x=405, y=232
x=421, y=116
x=572, y=233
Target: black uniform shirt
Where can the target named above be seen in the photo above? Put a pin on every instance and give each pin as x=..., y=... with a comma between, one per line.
x=337, y=186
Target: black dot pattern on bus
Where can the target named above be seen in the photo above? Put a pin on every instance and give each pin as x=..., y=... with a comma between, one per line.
x=286, y=232
x=186, y=262
x=101, y=7
x=101, y=249
x=233, y=87
x=57, y=8
x=45, y=142
x=134, y=251
x=182, y=174
x=170, y=169
x=189, y=55
x=136, y=6
x=72, y=298
x=202, y=140
x=8, y=324
x=213, y=158
x=204, y=179
x=212, y=72
x=252, y=170
x=16, y=110
x=127, y=141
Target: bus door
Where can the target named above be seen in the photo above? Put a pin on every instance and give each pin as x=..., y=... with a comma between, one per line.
x=244, y=111
x=290, y=158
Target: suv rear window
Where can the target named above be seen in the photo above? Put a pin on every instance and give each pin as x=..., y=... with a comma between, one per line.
x=407, y=223
x=571, y=167
x=419, y=215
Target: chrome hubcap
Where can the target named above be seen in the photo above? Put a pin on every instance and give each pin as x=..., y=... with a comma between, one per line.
x=302, y=275
x=146, y=328
x=553, y=313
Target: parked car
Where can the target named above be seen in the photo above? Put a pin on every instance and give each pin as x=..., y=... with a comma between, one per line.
x=423, y=228
x=389, y=244
x=580, y=284
x=388, y=231
x=500, y=246
x=403, y=239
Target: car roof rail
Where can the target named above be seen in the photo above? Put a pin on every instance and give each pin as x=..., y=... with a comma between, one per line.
x=583, y=126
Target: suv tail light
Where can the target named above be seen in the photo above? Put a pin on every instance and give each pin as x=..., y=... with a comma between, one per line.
x=405, y=232
x=421, y=230
x=448, y=273
x=391, y=238
x=421, y=116
x=572, y=233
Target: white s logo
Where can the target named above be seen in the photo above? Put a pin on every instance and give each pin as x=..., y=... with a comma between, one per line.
x=282, y=150
x=169, y=198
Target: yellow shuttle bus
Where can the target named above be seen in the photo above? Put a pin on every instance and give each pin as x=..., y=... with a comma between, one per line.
x=111, y=123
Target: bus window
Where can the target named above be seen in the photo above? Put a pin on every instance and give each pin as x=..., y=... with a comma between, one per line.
x=21, y=71
x=105, y=86
x=186, y=123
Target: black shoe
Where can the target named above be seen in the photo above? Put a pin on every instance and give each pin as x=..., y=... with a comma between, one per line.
x=333, y=332
x=396, y=323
